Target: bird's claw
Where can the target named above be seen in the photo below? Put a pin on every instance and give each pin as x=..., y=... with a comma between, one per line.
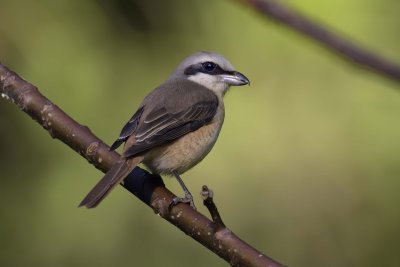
x=188, y=199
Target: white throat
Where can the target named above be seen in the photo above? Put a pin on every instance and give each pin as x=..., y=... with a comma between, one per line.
x=212, y=83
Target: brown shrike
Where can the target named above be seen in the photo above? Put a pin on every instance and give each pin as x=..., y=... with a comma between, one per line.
x=175, y=126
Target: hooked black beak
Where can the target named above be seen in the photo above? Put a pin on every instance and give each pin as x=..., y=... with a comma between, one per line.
x=235, y=78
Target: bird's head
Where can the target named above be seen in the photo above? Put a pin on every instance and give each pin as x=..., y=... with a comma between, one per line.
x=210, y=70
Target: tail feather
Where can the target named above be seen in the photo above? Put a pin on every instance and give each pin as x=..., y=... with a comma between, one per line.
x=114, y=176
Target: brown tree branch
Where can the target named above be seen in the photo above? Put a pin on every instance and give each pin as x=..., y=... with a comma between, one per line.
x=332, y=41
x=149, y=188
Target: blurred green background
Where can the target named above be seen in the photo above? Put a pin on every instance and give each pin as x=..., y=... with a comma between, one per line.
x=306, y=168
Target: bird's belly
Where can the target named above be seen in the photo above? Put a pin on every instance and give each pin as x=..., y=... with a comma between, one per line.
x=184, y=153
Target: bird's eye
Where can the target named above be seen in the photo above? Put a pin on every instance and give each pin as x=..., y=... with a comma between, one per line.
x=209, y=66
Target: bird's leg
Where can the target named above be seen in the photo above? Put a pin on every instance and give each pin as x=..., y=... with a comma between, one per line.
x=188, y=196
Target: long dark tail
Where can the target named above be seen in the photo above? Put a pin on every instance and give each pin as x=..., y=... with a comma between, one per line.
x=114, y=176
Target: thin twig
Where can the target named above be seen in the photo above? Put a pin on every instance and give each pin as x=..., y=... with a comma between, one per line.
x=149, y=188
x=208, y=200
x=327, y=38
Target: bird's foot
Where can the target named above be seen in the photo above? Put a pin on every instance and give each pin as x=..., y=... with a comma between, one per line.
x=188, y=199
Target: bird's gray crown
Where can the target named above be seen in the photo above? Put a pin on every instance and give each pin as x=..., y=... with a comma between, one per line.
x=205, y=62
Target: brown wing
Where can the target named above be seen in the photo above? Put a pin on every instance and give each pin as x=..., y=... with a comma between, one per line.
x=169, y=112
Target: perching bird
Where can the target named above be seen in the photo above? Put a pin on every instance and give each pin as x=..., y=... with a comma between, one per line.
x=175, y=126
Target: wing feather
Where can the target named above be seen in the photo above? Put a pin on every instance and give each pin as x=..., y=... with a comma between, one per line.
x=128, y=129
x=169, y=112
